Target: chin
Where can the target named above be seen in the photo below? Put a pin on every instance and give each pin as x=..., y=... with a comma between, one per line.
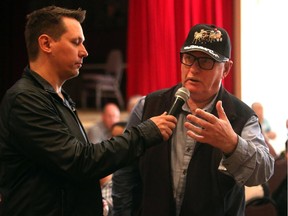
x=76, y=73
x=72, y=75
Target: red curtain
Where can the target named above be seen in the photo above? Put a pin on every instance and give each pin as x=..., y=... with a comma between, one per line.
x=156, y=32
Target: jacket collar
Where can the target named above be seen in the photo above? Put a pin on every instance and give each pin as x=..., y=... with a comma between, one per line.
x=46, y=85
x=40, y=80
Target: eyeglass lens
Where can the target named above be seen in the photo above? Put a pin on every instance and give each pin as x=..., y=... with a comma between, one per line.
x=203, y=62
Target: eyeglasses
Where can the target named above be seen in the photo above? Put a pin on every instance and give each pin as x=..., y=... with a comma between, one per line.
x=204, y=63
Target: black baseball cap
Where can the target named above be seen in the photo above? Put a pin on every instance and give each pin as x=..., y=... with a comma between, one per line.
x=209, y=39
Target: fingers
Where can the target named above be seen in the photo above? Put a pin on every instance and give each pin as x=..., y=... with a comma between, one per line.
x=216, y=131
x=166, y=134
x=220, y=111
x=166, y=124
x=202, y=119
x=193, y=131
x=205, y=119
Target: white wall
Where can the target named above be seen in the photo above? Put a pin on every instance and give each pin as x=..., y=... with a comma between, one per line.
x=264, y=61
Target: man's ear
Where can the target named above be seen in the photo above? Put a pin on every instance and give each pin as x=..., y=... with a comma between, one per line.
x=44, y=43
x=227, y=67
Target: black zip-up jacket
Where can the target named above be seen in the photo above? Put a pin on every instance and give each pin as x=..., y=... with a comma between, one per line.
x=47, y=166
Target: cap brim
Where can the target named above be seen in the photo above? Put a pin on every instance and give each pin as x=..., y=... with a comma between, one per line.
x=218, y=57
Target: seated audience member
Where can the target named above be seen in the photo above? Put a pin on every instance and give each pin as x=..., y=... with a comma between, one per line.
x=132, y=102
x=102, y=129
x=106, y=182
x=267, y=130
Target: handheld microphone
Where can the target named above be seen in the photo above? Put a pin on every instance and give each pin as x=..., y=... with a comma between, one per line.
x=181, y=96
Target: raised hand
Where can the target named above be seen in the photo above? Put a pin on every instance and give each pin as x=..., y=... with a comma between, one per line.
x=206, y=128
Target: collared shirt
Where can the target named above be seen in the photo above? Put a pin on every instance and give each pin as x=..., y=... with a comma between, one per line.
x=182, y=150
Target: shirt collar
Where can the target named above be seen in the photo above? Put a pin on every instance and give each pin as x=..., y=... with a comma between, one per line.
x=207, y=108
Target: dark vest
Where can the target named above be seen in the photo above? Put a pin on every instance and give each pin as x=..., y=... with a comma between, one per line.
x=208, y=191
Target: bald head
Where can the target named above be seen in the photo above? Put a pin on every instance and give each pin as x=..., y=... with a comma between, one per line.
x=110, y=115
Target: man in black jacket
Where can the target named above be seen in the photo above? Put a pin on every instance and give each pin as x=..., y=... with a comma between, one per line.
x=217, y=146
x=47, y=165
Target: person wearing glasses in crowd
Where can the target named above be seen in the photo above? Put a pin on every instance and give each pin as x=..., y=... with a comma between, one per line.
x=216, y=149
x=47, y=165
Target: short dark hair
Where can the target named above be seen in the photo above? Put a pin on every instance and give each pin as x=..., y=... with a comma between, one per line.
x=47, y=20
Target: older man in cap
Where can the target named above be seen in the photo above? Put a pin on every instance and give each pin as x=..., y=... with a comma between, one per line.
x=216, y=149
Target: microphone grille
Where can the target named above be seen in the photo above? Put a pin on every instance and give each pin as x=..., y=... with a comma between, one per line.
x=183, y=93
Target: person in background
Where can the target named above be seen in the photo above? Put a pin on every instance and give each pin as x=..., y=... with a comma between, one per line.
x=266, y=127
x=133, y=100
x=106, y=182
x=99, y=132
x=102, y=129
x=216, y=149
x=47, y=165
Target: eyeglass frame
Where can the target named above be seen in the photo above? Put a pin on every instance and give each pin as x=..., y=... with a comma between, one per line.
x=197, y=59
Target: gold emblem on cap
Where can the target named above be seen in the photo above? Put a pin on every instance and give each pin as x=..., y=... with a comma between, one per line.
x=205, y=36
